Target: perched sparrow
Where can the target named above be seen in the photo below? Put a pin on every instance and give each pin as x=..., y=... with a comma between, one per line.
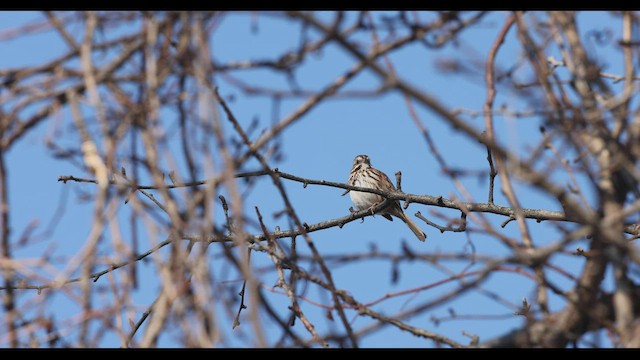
x=364, y=175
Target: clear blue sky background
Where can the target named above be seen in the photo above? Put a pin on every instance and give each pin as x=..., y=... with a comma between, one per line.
x=322, y=145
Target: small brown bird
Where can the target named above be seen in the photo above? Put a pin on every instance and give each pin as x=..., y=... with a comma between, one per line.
x=364, y=175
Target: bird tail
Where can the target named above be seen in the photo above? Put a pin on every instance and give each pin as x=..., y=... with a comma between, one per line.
x=415, y=228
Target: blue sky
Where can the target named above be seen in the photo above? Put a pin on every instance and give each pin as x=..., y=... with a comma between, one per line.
x=322, y=145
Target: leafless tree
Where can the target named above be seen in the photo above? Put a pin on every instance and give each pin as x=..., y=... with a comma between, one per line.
x=140, y=106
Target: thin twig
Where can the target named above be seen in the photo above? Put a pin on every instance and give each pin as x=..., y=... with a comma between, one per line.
x=242, y=306
x=140, y=321
x=462, y=226
x=492, y=175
